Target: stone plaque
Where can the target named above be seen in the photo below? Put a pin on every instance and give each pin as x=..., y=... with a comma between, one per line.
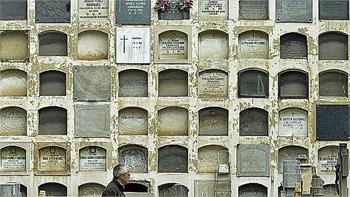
x=290, y=153
x=252, y=190
x=13, y=83
x=173, y=12
x=53, y=189
x=133, y=45
x=13, y=45
x=133, y=121
x=253, y=160
x=52, y=11
x=173, y=121
x=334, y=9
x=213, y=45
x=52, y=83
x=13, y=10
x=206, y=188
x=299, y=11
x=210, y=156
x=173, y=189
x=172, y=159
x=293, y=84
x=293, y=122
x=172, y=83
x=92, y=45
x=253, y=44
x=327, y=159
x=133, y=83
x=92, y=158
x=253, y=83
x=93, y=9
x=52, y=159
x=52, y=121
x=253, y=9
x=213, y=122
x=133, y=12
x=53, y=44
x=173, y=45
x=291, y=173
x=333, y=46
x=13, y=158
x=139, y=194
x=91, y=190
x=212, y=83
x=253, y=122
x=213, y=9
x=330, y=190
x=92, y=120
x=92, y=83
x=135, y=157
x=333, y=83
x=13, y=121
x=293, y=46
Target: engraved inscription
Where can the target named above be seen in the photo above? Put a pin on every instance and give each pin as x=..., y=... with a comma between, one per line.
x=327, y=159
x=13, y=121
x=292, y=122
x=212, y=83
x=213, y=8
x=13, y=159
x=173, y=45
x=294, y=11
x=92, y=158
x=213, y=122
x=52, y=159
x=253, y=160
x=173, y=121
x=213, y=45
x=93, y=9
x=133, y=121
x=253, y=9
x=334, y=9
x=253, y=44
x=208, y=158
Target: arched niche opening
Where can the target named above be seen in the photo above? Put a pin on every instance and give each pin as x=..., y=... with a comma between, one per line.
x=213, y=44
x=173, y=45
x=133, y=83
x=133, y=121
x=14, y=45
x=253, y=9
x=53, y=43
x=253, y=122
x=327, y=159
x=290, y=153
x=53, y=189
x=52, y=121
x=135, y=187
x=252, y=189
x=293, y=85
x=13, y=159
x=293, y=122
x=333, y=46
x=173, y=189
x=213, y=83
x=173, y=83
x=13, y=121
x=13, y=83
x=293, y=46
x=333, y=10
x=330, y=190
x=92, y=45
x=23, y=190
x=52, y=83
x=52, y=11
x=333, y=83
x=173, y=121
x=91, y=190
x=210, y=156
x=253, y=44
x=213, y=121
x=13, y=10
x=134, y=156
x=92, y=158
x=172, y=159
x=52, y=159
x=253, y=84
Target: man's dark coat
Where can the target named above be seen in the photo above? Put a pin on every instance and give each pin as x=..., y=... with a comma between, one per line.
x=113, y=189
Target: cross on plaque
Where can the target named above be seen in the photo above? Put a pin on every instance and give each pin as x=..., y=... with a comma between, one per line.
x=124, y=39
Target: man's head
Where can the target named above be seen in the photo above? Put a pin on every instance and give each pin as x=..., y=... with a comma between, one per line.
x=121, y=172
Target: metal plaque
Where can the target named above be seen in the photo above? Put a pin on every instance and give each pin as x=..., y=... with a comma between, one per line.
x=135, y=157
x=333, y=9
x=290, y=153
x=253, y=44
x=13, y=121
x=333, y=84
x=90, y=190
x=253, y=160
x=293, y=84
x=174, y=12
x=52, y=83
x=53, y=189
x=327, y=159
x=133, y=121
x=52, y=121
x=52, y=11
x=92, y=45
x=133, y=12
x=13, y=158
x=173, y=45
x=173, y=189
x=208, y=188
x=253, y=9
x=213, y=9
x=172, y=159
x=13, y=45
x=293, y=46
x=133, y=83
x=93, y=9
x=252, y=190
x=173, y=121
x=53, y=44
x=13, y=10
x=299, y=11
x=293, y=122
x=333, y=46
x=172, y=83
x=210, y=156
x=253, y=83
x=52, y=159
x=213, y=122
x=253, y=122
x=213, y=83
x=213, y=45
x=13, y=83
x=92, y=158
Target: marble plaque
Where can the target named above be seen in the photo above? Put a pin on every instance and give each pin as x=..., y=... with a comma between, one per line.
x=293, y=46
x=212, y=83
x=253, y=160
x=133, y=83
x=93, y=9
x=172, y=159
x=290, y=153
x=135, y=157
x=327, y=159
x=53, y=44
x=173, y=83
x=92, y=158
x=133, y=12
x=213, y=45
x=210, y=156
x=299, y=11
x=133, y=45
x=333, y=46
x=173, y=45
x=333, y=83
x=173, y=121
x=92, y=45
x=206, y=188
x=13, y=158
x=91, y=190
x=13, y=83
x=252, y=190
x=13, y=45
x=52, y=121
x=53, y=189
x=213, y=9
x=253, y=122
x=293, y=84
x=293, y=122
x=52, y=159
x=173, y=189
x=13, y=121
x=334, y=9
x=173, y=12
x=133, y=121
x=253, y=83
x=92, y=120
x=92, y=83
x=13, y=10
x=52, y=11
x=253, y=44
x=253, y=9
x=52, y=83
x=213, y=122
x=291, y=173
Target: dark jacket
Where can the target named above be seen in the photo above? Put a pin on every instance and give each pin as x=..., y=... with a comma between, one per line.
x=113, y=189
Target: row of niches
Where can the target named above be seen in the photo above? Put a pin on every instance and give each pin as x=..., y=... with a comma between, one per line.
x=171, y=46
x=139, y=12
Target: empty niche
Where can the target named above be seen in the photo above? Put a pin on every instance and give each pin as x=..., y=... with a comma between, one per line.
x=133, y=83
x=253, y=9
x=14, y=45
x=253, y=44
x=213, y=121
x=52, y=83
x=54, y=11
x=13, y=83
x=91, y=190
x=173, y=45
x=173, y=121
x=13, y=158
x=252, y=189
x=290, y=153
x=23, y=190
x=52, y=159
x=173, y=83
x=135, y=187
x=333, y=10
x=92, y=45
x=133, y=121
x=172, y=159
x=213, y=44
x=53, y=189
x=92, y=158
x=52, y=43
x=293, y=122
x=330, y=190
x=333, y=83
x=293, y=46
x=253, y=83
x=333, y=46
x=212, y=83
x=172, y=189
x=253, y=122
x=13, y=121
x=13, y=10
x=293, y=84
x=134, y=156
x=52, y=121
x=210, y=156
x=327, y=159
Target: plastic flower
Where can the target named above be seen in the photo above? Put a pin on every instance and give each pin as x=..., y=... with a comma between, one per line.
x=161, y=5
x=185, y=4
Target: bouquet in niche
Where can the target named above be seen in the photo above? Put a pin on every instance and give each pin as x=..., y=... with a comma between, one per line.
x=185, y=4
x=162, y=5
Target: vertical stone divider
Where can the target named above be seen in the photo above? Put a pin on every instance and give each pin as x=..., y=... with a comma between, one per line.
x=152, y=139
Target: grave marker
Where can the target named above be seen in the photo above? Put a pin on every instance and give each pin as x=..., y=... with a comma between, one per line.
x=133, y=12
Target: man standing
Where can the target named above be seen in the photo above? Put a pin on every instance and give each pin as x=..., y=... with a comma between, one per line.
x=121, y=177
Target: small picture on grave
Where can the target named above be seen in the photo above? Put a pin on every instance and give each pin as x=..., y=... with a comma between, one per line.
x=173, y=9
x=133, y=12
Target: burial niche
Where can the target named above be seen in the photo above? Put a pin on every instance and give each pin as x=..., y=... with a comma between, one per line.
x=91, y=190
x=174, y=11
x=92, y=158
x=53, y=189
x=133, y=121
x=54, y=11
x=333, y=10
x=253, y=44
x=253, y=84
x=293, y=85
x=133, y=83
x=213, y=83
x=213, y=121
x=293, y=46
x=172, y=159
x=210, y=188
x=52, y=43
x=213, y=10
x=327, y=159
x=135, y=12
x=13, y=83
x=210, y=156
x=333, y=46
x=136, y=187
x=293, y=122
x=330, y=190
x=213, y=44
x=173, y=121
x=52, y=121
x=52, y=83
x=52, y=159
x=253, y=160
x=294, y=11
x=253, y=9
x=14, y=45
x=173, y=45
x=13, y=10
x=134, y=156
x=13, y=158
x=92, y=45
x=333, y=83
x=252, y=189
x=290, y=153
x=173, y=189
x=13, y=121
x=93, y=10
x=253, y=122
x=173, y=83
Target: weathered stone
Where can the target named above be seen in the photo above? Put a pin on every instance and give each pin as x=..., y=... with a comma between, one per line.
x=334, y=9
x=253, y=9
x=253, y=83
x=52, y=11
x=172, y=189
x=93, y=9
x=294, y=11
x=172, y=159
x=293, y=84
x=333, y=83
x=53, y=44
x=213, y=9
x=212, y=83
x=173, y=45
x=13, y=83
x=173, y=121
x=135, y=157
x=293, y=122
x=213, y=45
x=290, y=153
x=252, y=190
x=293, y=46
x=133, y=121
x=53, y=189
x=92, y=158
x=13, y=158
x=253, y=122
x=291, y=173
x=206, y=188
x=210, y=156
x=133, y=12
x=13, y=121
x=52, y=159
x=52, y=121
x=13, y=45
x=133, y=83
x=253, y=160
x=333, y=46
x=52, y=83
x=253, y=44
x=213, y=122
x=173, y=83
x=13, y=10
x=91, y=190
x=327, y=159
x=92, y=45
